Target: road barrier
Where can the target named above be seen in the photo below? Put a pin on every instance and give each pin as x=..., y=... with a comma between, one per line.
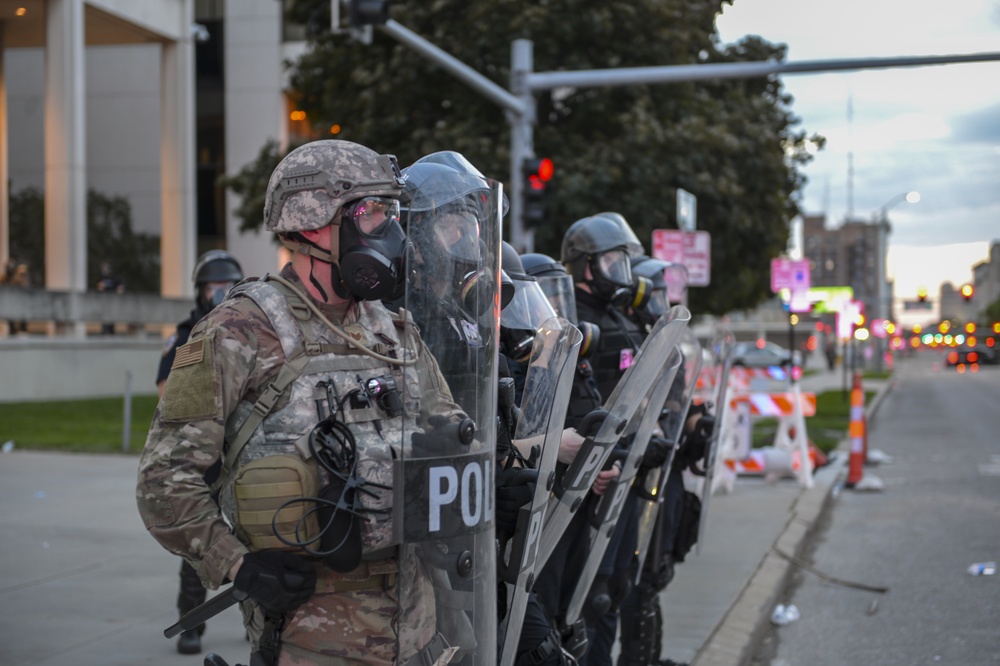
x=857, y=431
x=789, y=454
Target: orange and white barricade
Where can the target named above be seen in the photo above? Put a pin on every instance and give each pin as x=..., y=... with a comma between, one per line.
x=789, y=454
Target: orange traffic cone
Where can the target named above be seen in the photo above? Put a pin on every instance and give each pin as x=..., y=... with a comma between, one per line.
x=856, y=431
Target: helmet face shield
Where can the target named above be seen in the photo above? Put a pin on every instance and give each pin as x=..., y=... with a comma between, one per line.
x=457, y=232
x=522, y=317
x=612, y=266
x=558, y=289
x=529, y=308
x=658, y=304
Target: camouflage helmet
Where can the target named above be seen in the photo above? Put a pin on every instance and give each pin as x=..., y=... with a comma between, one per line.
x=312, y=182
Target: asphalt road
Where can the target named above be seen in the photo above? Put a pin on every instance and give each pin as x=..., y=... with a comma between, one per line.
x=938, y=514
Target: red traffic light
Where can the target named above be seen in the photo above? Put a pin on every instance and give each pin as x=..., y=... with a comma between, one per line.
x=967, y=291
x=545, y=170
x=540, y=169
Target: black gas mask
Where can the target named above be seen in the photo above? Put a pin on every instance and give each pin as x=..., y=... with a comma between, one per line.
x=211, y=294
x=611, y=276
x=372, y=249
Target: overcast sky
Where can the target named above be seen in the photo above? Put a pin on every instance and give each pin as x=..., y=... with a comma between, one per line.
x=932, y=129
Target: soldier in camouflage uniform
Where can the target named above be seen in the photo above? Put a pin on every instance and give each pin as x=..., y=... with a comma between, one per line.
x=215, y=273
x=266, y=408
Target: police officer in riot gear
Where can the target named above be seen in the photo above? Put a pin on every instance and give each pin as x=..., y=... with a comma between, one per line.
x=215, y=273
x=597, y=252
x=557, y=579
x=641, y=618
x=276, y=397
x=557, y=285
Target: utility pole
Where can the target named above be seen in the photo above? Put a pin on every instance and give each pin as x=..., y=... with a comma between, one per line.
x=519, y=102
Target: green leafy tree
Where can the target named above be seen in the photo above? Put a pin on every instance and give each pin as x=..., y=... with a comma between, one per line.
x=26, y=231
x=732, y=143
x=134, y=257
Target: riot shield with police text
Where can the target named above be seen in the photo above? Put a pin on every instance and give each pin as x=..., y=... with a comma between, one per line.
x=605, y=427
x=445, y=475
x=542, y=414
x=651, y=488
x=610, y=506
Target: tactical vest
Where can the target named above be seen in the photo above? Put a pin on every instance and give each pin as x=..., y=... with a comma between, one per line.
x=268, y=461
x=584, y=397
x=619, y=344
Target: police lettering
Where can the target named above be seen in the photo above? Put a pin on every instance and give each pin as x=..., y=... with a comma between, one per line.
x=532, y=539
x=467, y=491
x=590, y=467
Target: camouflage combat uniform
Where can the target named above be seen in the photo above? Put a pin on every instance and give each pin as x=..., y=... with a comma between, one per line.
x=233, y=356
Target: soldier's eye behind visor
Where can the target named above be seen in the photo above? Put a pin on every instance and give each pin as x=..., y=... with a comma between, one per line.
x=614, y=266
x=373, y=215
x=451, y=228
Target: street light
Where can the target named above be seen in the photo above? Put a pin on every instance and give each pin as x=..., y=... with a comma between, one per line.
x=882, y=220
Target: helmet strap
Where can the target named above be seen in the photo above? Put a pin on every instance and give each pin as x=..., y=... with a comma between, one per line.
x=299, y=244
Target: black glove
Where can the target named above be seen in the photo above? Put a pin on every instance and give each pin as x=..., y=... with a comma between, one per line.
x=598, y=600
x=277, y=580
x=656, y=452
x=515, y=488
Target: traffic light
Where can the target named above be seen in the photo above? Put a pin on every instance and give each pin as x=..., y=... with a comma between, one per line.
x=537, y=173
x=967, y=291
x=368, y=12
x=922, y=294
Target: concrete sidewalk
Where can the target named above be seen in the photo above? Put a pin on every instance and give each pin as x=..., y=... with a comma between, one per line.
x=82, y=583
x=719, y=604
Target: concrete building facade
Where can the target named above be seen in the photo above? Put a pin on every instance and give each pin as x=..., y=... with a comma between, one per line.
x=848, y=255
x=149, y=100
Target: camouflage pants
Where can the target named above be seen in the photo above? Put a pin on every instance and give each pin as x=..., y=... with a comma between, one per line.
x=357, y=626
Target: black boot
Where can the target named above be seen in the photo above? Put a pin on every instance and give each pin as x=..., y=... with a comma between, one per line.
x=192, y=594
x=189, y=642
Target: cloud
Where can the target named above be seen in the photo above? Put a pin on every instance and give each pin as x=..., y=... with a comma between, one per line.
x=982, y=125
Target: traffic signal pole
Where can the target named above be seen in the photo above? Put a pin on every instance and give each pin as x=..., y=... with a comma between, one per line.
x=519, y=102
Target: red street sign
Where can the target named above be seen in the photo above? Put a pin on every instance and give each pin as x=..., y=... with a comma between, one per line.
x=691, y=249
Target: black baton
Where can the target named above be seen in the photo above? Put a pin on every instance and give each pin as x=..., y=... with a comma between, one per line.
x=197, y=615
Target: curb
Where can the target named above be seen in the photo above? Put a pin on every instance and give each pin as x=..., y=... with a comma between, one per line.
x=735, y=639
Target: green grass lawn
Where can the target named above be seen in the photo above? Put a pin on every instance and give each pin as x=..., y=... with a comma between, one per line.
x=93, y=426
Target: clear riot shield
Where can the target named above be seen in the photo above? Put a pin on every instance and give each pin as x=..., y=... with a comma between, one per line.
x=445, y=480
x=678, y=400
x=605, y=427
x=610, y=507
x=715, y=380
x=544, y=401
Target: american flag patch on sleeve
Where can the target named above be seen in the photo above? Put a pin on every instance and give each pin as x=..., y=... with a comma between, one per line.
x=189, y=354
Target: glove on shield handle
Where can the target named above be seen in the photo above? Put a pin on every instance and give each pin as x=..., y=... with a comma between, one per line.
x=589, y=426
x=509, y=568
x=199, y=614
x=597, y=513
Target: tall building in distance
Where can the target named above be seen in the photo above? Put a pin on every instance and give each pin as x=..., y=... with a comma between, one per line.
x=847, y=255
